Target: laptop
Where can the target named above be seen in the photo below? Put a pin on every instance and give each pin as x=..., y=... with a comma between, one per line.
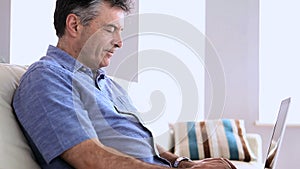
x=277, y=135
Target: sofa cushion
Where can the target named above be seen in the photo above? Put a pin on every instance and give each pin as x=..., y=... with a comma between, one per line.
x=212, y=138
x=15, y=152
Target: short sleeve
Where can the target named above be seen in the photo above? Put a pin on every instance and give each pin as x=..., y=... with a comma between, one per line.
x=50, y=111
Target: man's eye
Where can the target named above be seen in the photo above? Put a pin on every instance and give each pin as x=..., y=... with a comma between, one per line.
x=110, y=29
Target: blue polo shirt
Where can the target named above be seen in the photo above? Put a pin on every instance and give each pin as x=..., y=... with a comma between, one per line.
x=61, y=103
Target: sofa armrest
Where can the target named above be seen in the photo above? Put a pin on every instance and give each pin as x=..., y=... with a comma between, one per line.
x=255, y=144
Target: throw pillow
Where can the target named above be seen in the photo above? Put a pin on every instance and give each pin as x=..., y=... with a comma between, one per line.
x=224, y=138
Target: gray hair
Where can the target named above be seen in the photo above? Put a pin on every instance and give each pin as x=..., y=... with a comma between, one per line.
x=86, y=10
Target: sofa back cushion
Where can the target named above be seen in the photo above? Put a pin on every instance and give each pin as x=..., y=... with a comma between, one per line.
x=15, y=152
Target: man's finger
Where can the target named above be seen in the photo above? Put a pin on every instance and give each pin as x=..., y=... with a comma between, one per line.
x=231, y=165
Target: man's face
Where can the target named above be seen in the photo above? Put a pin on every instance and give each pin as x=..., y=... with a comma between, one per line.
x=100, y=39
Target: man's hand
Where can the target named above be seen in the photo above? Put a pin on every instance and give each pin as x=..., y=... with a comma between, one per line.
x=214, y=163
x=209, y=163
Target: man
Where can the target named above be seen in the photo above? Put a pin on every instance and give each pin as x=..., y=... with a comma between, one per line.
x=72, y=114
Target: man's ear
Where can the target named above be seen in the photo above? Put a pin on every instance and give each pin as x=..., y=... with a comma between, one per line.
x=72, y=25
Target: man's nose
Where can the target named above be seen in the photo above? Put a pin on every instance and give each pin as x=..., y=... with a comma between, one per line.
x=118, y=42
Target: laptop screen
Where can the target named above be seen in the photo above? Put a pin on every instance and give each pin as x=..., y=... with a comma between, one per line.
x=277, y=135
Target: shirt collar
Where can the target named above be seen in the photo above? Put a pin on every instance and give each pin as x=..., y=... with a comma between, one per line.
x=70, y=63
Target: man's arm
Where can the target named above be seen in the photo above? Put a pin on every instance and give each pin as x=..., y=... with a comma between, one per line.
x=91, y=154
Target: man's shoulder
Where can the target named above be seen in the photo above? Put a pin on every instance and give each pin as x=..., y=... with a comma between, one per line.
x=45, y=65
x=44, y=68
x=43, y=75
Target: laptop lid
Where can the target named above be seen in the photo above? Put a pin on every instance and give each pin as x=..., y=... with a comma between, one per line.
x=278, y=132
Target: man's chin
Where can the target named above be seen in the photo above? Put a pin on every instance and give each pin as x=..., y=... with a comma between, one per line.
x=104, y=64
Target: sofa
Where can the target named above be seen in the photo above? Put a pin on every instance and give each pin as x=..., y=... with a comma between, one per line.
x=15, y=152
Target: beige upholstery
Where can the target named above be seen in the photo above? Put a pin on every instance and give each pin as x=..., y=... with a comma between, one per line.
x=255, y=143
x=14, y=151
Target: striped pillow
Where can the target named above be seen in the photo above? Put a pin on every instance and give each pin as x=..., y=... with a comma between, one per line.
x=212, y=138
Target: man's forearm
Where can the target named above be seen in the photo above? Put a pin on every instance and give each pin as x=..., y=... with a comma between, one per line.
x=166, y=154
x=92, y=154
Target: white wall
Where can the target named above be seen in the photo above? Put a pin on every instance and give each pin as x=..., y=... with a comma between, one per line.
x=278, y=68
x=233, y=27
x=170, y=86
x=31, y=30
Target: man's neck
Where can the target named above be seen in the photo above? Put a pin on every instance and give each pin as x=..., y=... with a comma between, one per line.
x=66, y=45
